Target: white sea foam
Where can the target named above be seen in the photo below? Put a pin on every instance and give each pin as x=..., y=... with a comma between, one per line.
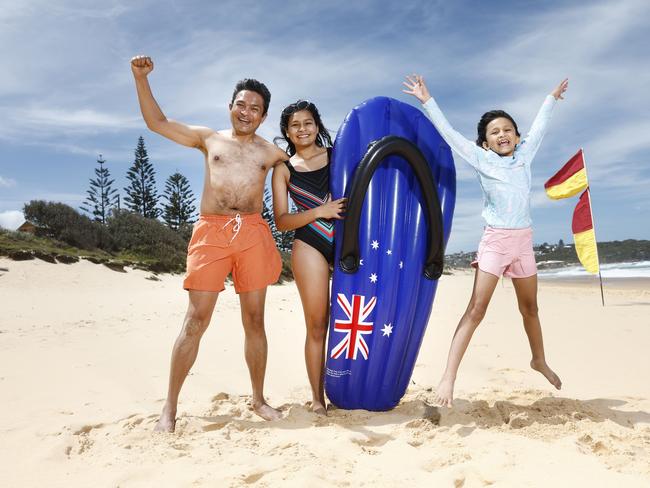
x=639, y=269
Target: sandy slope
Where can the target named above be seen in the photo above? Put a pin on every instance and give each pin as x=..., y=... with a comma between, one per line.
x=84, y=354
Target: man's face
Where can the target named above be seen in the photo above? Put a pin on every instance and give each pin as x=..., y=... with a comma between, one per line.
x=246, y=112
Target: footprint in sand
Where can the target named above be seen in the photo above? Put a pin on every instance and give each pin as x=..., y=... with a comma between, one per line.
x=597, y=447
x=217, y=423
x=86, y=429
x=451, y=457
x=82, y=440
x=253, y=478
x=371, y=439
x=132, y=421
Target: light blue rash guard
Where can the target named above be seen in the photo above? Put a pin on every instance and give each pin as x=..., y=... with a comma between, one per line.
x=505, y=181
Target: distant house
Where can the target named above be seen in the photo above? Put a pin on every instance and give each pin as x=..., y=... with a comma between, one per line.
x=27, y=227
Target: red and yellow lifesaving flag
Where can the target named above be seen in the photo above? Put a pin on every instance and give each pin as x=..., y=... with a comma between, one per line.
x=570, y=180
x=584, y=236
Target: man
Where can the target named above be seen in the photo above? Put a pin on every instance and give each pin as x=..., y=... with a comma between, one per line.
x=230, y=236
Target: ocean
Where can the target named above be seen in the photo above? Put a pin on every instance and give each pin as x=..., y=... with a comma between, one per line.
x=639, y=269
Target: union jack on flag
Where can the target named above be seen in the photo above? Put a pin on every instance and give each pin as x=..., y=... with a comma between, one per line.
x=354, y=327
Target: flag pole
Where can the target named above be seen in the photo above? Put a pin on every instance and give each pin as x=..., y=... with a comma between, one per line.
x=593, y=224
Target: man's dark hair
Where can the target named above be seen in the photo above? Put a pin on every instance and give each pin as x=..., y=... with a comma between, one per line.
x=489, y=117
x=323, y=138
x=256, y=86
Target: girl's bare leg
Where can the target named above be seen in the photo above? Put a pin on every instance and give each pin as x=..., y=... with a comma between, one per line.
x=484, y=285
x=311, y=272
x=526, y=290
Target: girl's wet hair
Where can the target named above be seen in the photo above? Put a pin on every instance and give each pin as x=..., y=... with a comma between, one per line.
x=486, y=119
x=323, y=138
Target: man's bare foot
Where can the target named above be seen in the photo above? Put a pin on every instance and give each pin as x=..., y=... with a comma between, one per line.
x=318, y=408
x=445, y=392
x=548, y=373
x=167, y=421
x=267, y=412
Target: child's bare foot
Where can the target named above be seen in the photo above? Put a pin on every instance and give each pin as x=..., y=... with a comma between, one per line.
x=265, y=411
x=167, y=421
x=445, y=392
x=548, y=373
x=318, y=408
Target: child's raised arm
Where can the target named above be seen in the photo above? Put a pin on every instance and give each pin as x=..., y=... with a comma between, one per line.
x=416, y=86
x=560, y=89
x=540, y=125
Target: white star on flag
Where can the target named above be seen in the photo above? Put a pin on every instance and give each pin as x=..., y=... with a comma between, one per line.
x=373, y=278
x=387, y=330
x=401, y=265
x=360, y=262
x=375, y=245
x=389, y=252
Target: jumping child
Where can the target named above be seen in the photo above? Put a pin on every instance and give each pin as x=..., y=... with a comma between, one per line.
x=502, y=161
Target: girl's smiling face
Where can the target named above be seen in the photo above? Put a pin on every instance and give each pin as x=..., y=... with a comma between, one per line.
x=302, y=129
x=501, y=137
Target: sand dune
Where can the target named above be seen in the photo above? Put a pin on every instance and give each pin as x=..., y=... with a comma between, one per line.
x=84, y=354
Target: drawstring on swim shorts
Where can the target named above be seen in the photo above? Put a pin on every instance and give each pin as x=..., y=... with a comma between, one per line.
x=236, y=228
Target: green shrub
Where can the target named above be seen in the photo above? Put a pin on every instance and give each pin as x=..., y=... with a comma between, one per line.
x=148, y=238
x=62, y=222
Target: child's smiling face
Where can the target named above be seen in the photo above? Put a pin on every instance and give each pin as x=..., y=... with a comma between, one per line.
x=501, y=137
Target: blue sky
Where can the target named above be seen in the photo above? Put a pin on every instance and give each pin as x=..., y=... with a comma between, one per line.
x=66, y=90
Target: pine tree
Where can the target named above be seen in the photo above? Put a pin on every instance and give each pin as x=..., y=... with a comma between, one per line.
x=179, y=209
x=284, y=240
x=101, y=195
x=141, y=194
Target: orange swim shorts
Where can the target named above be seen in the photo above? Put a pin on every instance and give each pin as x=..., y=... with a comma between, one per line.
x=239, y=244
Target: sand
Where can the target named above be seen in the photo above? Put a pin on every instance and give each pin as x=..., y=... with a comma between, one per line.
x=84, y=354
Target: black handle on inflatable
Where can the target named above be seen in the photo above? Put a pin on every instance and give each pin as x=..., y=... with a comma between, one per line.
x=376, y=153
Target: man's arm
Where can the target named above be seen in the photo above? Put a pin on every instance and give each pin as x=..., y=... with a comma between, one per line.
x=277, y=155
x=187, y=135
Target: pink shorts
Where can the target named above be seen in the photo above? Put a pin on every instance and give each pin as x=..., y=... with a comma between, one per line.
x=507, y=252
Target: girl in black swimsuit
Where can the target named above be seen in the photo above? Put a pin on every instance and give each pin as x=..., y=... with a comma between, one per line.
x=305, y=176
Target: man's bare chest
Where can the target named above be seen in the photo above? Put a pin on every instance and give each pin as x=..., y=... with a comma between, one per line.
x=237, y=158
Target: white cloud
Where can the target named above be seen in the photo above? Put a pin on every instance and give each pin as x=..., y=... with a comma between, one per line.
x=76, y=12
x=7, y=182
x=56, y=121
x=78, y=119
x=11, y=219
x=78, y=98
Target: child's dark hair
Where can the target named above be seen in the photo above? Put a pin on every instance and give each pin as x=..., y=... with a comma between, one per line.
x=486, y=119
x=256, y=86
x=323, y=138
